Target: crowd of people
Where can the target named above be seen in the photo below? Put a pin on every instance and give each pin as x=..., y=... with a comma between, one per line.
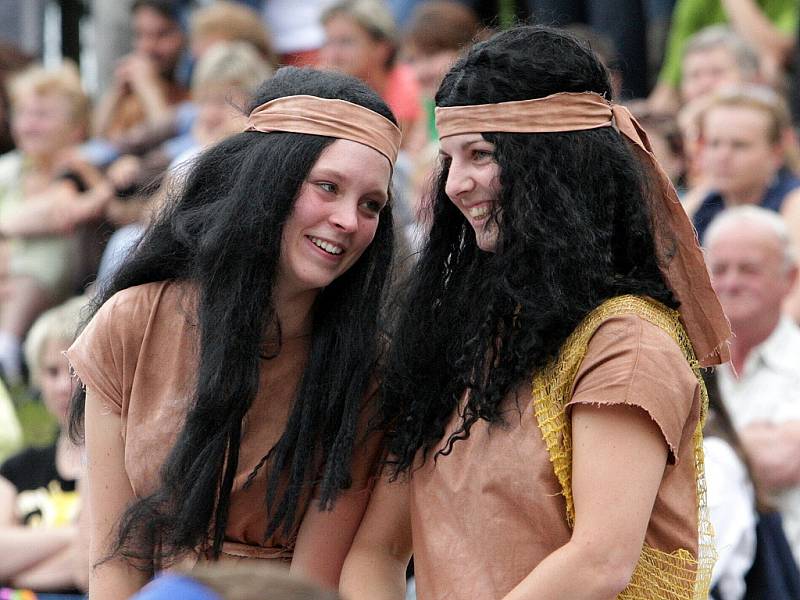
x=332, y=284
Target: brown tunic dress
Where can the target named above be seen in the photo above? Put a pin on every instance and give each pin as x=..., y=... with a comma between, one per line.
x=139, y=354
x=486, y=515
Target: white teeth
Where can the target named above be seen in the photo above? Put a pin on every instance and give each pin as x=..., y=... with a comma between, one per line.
x=478, y=212
x=327, y=246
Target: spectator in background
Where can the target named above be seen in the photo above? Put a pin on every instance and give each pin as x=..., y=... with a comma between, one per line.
x=223, y=82
x=45, y=194
x=225, y=21
x=12, y=60
x=39, y=504
x=361, y=40
x=743, y=137
x=144, y=93
x=439, y=30
x=768, y=26
x=753, y=269
x=713, y=58
x=151, y=149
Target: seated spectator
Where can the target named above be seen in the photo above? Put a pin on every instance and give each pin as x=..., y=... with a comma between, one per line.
x=743, y=133
x=361, y=40
x=714, y=58
x=241, y=582
x=145, y=104
x=439, y=30
x=44, y=196
x=753, y=269
x=39, y=504
x=766, y=26
x=12, y=60
x=223, y=82
x=225, y=21
x=148, y=152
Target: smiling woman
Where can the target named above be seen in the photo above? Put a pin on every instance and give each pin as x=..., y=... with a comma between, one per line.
x=335, y=215
x=542, y=398
x=228, y=366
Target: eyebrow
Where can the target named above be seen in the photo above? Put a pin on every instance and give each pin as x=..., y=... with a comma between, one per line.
x=334, y=174
x=467, y=143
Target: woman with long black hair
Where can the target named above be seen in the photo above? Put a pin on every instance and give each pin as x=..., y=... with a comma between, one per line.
x=542, y=397
x=228, y=365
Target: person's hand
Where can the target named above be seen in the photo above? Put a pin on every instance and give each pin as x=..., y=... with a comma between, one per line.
x=138, y=72
x=124, y=171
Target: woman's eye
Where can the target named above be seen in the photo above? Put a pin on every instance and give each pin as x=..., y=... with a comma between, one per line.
x=373, y=206
x=328, y=187
x=482, y=154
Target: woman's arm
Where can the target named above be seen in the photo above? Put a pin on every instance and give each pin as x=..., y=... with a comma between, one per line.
x=109, y=494
x=325, y=537
x=56, y=572
x=618, y=461
x=375, y=568
x=21, y=547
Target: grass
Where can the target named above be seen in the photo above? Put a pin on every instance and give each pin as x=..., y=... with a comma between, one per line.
x=38, y=426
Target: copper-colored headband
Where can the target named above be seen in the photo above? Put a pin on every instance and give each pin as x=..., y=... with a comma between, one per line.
x=329, y=117
x=685, y=270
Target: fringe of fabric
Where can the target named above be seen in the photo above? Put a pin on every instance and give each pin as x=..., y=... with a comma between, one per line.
x=658, y=575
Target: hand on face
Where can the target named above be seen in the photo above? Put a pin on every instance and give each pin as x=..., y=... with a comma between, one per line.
x=473, y=183
x=136, y=70
x=335, y=216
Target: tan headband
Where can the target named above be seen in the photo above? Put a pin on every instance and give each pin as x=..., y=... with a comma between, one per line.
x=682, y=261
x=329, y=117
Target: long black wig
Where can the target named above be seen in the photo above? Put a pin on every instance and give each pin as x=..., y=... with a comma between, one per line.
x=222, y=232
x=574, y=229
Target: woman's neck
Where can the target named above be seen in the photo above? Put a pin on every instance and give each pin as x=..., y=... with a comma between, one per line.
x=294, y=312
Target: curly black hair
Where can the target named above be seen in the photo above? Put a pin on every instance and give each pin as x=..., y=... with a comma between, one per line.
x=574, y=229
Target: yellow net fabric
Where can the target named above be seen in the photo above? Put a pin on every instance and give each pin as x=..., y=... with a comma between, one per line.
x=658, y=575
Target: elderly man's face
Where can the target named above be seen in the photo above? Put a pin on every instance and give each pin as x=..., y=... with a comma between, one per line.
x=749, y=274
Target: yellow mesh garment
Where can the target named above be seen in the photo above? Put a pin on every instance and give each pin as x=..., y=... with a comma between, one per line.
x=658, y=575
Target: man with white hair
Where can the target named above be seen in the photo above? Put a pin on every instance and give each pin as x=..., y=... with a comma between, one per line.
x=753, y=269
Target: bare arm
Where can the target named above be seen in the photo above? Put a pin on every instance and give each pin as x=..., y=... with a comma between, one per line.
x=753, y=25
x=663, y=99
x=107, y=106
x=618, y=461
x=22, y=548
x=325, y=537
x=109, y=493
x=54, y=573
x=375, y=568
x=774, y=453
x=57, y=210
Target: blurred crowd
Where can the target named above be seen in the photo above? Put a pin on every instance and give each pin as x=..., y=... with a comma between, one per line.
x=711, y=81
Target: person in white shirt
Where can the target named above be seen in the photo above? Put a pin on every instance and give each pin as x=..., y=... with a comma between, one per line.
x=753, y=269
